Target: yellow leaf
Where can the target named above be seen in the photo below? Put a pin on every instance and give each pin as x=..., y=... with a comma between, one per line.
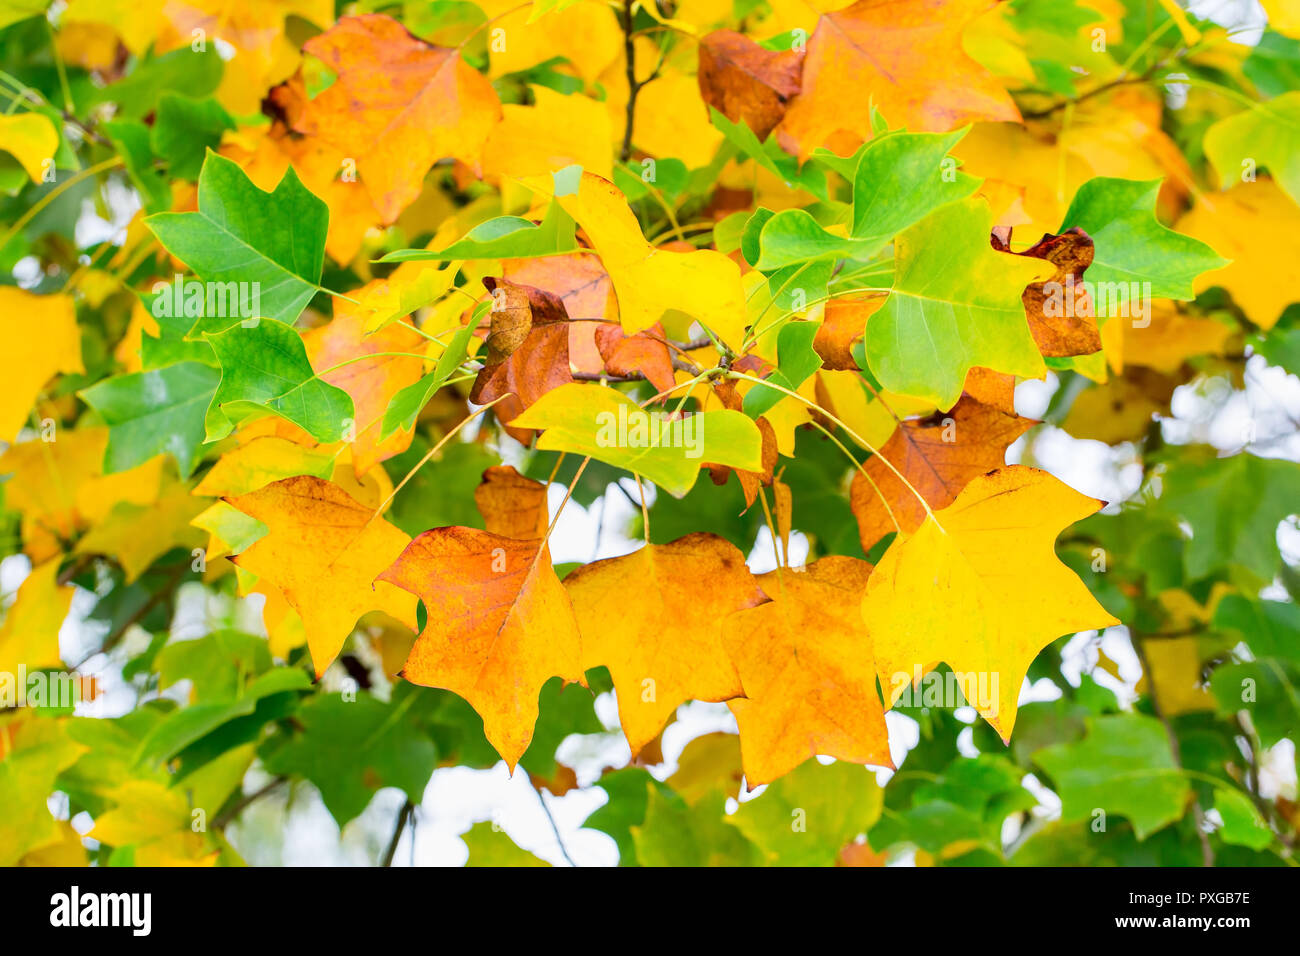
x=654, y=618
x=136, y=535
x=653, y=284
x=41, y=339
x=979, y=587
x=31, y=138
x=29, y=636
x=324, y=552
x=1258, y=227
x=556, y=131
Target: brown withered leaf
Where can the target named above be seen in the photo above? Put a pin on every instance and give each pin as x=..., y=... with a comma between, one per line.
x=806, y=663
x=500, y=626
x=645, y=353
x=511, y=504
x=528, y=350
x=939, y=456
x=746, y=82
x=1059, y=309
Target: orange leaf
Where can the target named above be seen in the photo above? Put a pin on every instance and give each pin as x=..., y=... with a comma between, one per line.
x=1059, y=308
x=939, y=455
x=528, y=350
x=372, y=383
x=746, y=82
x=903, y=56
x=398, y=106
x=806, y=663
x=500, y=626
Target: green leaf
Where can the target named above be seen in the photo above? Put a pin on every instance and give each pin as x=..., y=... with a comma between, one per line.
x=955, y=305
x=796, y=361
x=131, y=139
x=607, y=425
x=1274, y=64
x=627, y=792
x=675, y=833
x=1242, y=824
x=1123, y=765
x=189, y=725
x=771, y=157
x=806, y=817
x=275, y=241
x=1267, y=690
x=407, y=404
x=187, y=72
x=505, y=237
x=1271, y=628
x=900, y=179
x=489, y=846
x=1267, y=135
x=351, y=748
x=265, y=368
x=184, y=129
x=441, y=493
x=1233, y=506
x=216, y=665
x=160, y=410
x=1130, y=243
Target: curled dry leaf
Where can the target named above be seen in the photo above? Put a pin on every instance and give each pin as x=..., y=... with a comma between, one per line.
x=528, y=350
x=1059, y=308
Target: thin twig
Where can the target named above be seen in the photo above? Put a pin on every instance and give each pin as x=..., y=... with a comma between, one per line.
x=403, y=818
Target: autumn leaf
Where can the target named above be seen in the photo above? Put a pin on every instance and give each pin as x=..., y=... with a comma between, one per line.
x=979, y=588
x=528, y=350
x=1060, y=309
x=652, y=284
x=31, y=360
x=500, y=626
x=746, y=82
x=937, y=456
x=512, y=505
x=671, y=649
x=29, y=636
x=324, y=551
x=440, y=108
x=340, y=348
x=806, y=664
x=883, y=49
x=950, y=312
